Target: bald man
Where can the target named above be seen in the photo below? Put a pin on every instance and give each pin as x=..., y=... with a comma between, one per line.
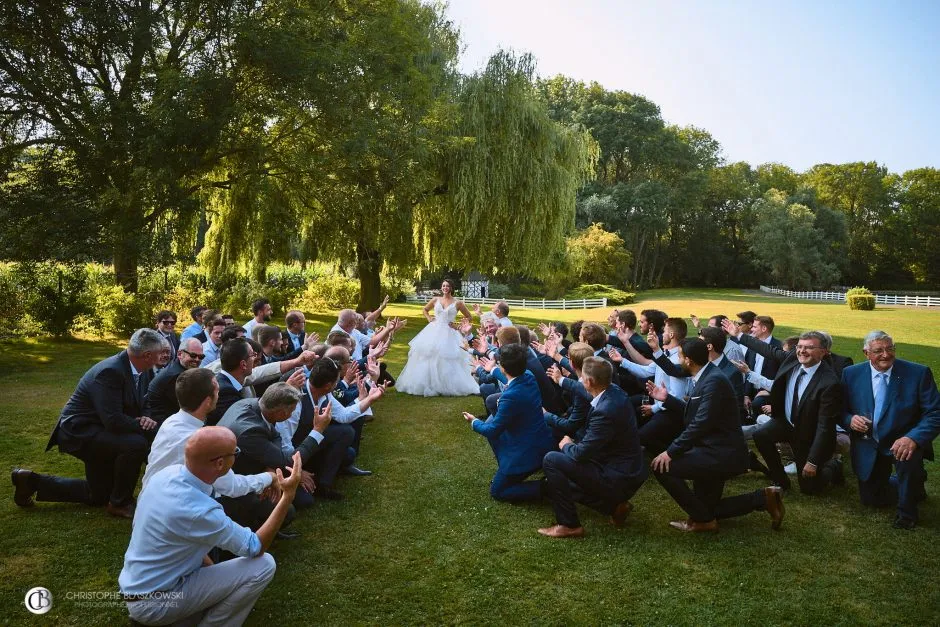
x=167, y=575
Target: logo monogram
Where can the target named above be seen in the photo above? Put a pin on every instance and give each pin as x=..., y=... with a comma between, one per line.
x=38, y=600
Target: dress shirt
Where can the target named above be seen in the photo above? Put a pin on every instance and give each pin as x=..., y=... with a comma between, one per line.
x=211, y=352
x=597, y=399
x=176, y=524
x=504, y=322
x=677, y=386
x=248, y=326
x=169, y=448
x=733, y=351
x=288, y=428
x=759, y=359
x=759, y=381
x=791, y=383
x=294, y=340
x=193, y=329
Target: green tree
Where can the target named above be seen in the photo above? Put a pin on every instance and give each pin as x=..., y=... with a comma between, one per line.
x=598, y=256
x=787, y=242
x=919, y=224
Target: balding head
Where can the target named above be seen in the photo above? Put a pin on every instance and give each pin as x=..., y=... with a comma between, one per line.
x=339, y=354
x=347, y=320
x=210, y=453
x=189, y=347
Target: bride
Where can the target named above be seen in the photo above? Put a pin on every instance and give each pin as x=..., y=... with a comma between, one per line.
x=438, y=364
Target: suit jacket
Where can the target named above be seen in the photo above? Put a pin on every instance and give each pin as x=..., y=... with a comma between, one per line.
x=161, y=394
x=610, y=439
x=911, y=409
x=106, y=399
x=712, y=425
x=286, y=336
x=574, y=422
x=228, y=396
x=818, y=412
x=551, y=393
x=517, y=432
x=173, y=339
x=838, y=363
x=259, y=441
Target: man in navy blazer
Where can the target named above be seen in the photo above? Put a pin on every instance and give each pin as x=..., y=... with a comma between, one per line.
x=710, y=450
x=517, y=432
x=892, y=410
x=103, y=425
x=605, y=468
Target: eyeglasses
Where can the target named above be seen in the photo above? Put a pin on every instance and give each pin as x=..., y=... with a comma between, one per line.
x=198, y=356
x=887, y=350
x=235, y=454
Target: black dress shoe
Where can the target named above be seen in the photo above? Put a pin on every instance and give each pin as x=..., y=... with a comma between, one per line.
x=355, y=472
x=287, y=534
x=22, y=487
x=904, y=523
x=329, y=494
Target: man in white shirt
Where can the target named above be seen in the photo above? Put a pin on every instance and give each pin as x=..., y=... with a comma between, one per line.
x=197, y=391
x=167, y=575
x=261, y=309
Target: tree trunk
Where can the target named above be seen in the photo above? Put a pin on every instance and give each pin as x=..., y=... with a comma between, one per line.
x=125, y=264
x=369, y=266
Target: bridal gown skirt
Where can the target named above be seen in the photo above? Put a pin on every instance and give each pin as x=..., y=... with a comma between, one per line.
x=437, y=364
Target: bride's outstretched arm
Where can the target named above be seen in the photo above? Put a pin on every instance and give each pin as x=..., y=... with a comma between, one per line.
x=428, y=308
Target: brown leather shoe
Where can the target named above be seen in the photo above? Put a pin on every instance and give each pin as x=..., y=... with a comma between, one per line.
x=773, y=497
x=619, y=517
x=692, y=526
x=560, y=531
x=120, y=511
x=22, y=487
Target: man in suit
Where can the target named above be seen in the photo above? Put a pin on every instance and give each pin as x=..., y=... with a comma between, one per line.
x=603, y=469
x=551, y=393
x=254, y=423
x=761, y=328
x=806, y=403
x=296, y=331
x=161, y=394
x=574, y=422
x=892, y=411
x=103, y=424
x=624, y=322
x=237, y=363
x=516, y=432
x=710, y=450
x=165, y=322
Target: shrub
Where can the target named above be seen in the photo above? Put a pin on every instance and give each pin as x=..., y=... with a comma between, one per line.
x=860, y=299
x=499, y=290
x=333, y=291
x=117, y=312
x=613, y=295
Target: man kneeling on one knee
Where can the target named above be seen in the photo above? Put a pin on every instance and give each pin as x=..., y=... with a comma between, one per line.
x=605, y=467
x=167, y=575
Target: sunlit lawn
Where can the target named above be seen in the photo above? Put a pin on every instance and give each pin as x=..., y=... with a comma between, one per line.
x=421, y=542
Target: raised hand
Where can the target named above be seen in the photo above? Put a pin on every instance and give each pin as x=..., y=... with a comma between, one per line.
x=477, y=310
x=554, y=373
x=657, y=392
x=544, y=329
x=322, y=418
x=694, y=319
x=465, y=327
x=290, y=484
x=475, y=362
x=311, y=339
x=372, y=366
x=377, y=392
x=479, y=345
x=488, y=364
x=352, y=371
x=308, y=357
x=614, y=355
x=741, y=366
x=729, y=327
x=297, y=378
x=653, y=340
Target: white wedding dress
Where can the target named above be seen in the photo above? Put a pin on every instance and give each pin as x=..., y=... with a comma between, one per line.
x=437, y=363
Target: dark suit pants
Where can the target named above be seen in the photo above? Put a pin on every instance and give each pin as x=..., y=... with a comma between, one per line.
x=112, y=467
x=513, y=488
x=766, y=437
x=570, y=482
x=703, y=503
x=659, y=432
x=490, y=402
x=905, y=489
x=331, y=454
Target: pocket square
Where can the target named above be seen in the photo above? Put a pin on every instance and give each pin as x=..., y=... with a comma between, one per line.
x=694, y=398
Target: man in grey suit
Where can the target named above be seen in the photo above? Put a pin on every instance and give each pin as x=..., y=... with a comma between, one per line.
x=253, y=421
x=103, y=425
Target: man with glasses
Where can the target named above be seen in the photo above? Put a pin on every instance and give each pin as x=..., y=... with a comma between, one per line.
x=892, y=411
x=166, y=326
x=167, y=575
x=161, y=395
x=104, y=425
x=806, y=403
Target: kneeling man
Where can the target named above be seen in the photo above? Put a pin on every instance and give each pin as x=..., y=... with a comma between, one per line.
x=605, y=467
x=167, y=575
x=517, y=432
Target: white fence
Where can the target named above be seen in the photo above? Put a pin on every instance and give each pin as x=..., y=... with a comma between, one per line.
x=527, y=303
x=880, y=299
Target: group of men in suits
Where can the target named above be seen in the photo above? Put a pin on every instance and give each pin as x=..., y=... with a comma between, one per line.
x=692, y=412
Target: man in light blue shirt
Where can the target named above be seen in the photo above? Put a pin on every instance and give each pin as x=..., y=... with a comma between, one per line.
x=196, y=327
x=167, y=575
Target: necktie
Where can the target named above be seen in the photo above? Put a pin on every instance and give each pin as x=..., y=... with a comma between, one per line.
x=795, y=406
x=881, y=391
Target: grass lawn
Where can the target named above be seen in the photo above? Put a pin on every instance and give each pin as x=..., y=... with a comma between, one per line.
x=421, y=542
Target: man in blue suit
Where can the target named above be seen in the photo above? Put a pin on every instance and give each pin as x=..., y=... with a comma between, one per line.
x=604, y=468
x=517, y=432
x=892, y=410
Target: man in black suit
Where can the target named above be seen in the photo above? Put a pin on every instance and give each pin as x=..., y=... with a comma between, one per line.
x=254, y=423
x=237, y=359
x=761, y=328
x=161, y=394
x=605, y=467
x=103, y=425
x=551, y=393
x=296, y=331
x=806, y=404
x=165, y=322
x=709, y=451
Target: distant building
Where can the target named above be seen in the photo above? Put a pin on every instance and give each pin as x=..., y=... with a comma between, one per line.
x=475, y=285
